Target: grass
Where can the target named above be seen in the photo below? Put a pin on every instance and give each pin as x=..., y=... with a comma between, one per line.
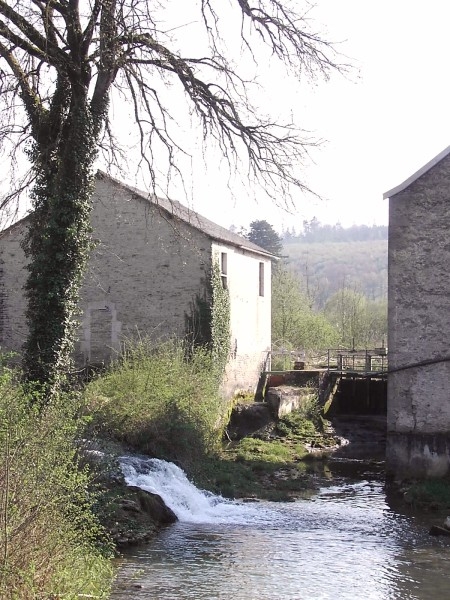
x=51, y=544
x=273, y=465
x=433, y=494
x=160, y=403
x=233, y=474
x=253, y=468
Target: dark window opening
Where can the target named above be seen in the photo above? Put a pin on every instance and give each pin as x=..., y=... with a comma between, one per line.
x=261, y=279
x=224, y=270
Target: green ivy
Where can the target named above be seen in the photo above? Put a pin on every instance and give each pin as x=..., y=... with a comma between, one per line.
x=58, y=245
x=220, y=320
x=198, y=321
x=208, y=323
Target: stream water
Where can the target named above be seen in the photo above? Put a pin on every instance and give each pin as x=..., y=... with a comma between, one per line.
x=343, y=543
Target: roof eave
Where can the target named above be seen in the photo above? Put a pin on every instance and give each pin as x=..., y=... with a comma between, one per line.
x=260, y=252
x=252, y=249
x=417, y=174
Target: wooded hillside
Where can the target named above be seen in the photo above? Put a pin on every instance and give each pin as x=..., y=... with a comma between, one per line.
x=329, y=286
x=331, y=257
x=327, y=267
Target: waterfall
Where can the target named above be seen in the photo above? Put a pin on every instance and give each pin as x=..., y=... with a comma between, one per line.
x=189, y=503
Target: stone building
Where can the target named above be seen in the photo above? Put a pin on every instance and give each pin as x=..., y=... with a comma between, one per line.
x=419, y=322
x=149, y=272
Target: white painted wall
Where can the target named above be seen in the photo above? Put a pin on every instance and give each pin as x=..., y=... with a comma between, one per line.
x=250, y=316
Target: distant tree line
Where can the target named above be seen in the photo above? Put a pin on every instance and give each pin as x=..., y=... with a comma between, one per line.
x=263, y=234
x=347, y=319
x=314, y=231
x=309, y=313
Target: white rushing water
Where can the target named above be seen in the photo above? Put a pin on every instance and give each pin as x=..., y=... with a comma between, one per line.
x=346, y=543
x=190, y=504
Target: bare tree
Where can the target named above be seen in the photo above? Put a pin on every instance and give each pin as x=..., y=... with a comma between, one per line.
x=60, y=61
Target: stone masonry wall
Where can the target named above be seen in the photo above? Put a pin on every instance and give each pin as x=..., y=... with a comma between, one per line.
x=143, y=275
x=2, y=303
x=13, y=329
x=419, y=313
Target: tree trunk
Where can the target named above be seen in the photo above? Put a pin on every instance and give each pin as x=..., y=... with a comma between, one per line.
x=58, y=245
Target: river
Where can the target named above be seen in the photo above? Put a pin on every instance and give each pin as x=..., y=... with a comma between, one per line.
x=343, y=543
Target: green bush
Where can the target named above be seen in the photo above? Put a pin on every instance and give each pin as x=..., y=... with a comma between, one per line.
x=51, y=545
x=430, y=493
x=160, y=401
x=306, y=420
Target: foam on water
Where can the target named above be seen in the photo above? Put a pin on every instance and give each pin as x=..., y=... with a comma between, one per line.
x=346, y=543
x=189, y=503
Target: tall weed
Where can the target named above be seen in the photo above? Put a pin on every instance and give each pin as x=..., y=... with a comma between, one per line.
x=160, y=401
x=49, y=539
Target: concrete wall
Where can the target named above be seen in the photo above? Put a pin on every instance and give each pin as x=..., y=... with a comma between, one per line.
x=250, y=318
x=419, y=326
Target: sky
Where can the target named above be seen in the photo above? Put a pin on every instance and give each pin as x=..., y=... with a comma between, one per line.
x=380, y=122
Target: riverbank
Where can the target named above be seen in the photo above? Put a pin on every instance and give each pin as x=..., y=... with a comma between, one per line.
x=61, y=492
x=285, y=461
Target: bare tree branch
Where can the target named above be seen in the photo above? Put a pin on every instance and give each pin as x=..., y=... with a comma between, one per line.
x=88, y=45
x=90, y=27
x=278, y=26
x=31, y=101
x=61, y=61
x=42, y=44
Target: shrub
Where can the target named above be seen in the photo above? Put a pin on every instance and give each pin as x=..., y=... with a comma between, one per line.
x=304, y=421
x=160, y=401
x=50, y=543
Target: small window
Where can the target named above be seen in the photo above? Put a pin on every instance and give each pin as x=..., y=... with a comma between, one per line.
x=261, y=279
x=224, y=270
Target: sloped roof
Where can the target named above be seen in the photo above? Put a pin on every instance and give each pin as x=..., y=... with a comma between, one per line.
x=417, y=174
x=176, y=209
x=179, y=211
x=14, y=225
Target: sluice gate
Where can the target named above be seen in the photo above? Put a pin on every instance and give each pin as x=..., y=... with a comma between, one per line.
x=349, y=382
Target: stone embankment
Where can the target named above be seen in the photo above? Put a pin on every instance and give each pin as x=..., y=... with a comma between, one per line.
x=247, y=418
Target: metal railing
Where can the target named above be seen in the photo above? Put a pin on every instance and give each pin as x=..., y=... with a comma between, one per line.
x=333, y=359
x=374, y=360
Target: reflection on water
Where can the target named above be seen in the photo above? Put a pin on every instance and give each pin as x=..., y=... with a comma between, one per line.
x=344, y=544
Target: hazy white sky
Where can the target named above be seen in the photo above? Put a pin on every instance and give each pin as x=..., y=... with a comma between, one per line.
x=381, y=123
